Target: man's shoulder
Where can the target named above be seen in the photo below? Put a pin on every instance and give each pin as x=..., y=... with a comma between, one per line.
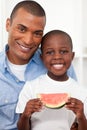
x=2, y=56
x=71, y=72
x=37, y=80
x=36, y=56
x=37, y=59
x=2, y=61
x=35, y=66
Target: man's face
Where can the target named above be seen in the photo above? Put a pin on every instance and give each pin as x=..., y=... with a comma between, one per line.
x=24, y=36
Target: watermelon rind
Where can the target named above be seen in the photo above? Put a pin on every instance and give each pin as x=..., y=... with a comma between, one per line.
x=55, y=107
x=52, y=106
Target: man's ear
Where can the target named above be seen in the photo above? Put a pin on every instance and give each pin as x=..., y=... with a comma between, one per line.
x=8, y=24
x=73, y=55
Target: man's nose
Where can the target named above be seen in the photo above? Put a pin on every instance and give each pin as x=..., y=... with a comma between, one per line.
x=28, y=38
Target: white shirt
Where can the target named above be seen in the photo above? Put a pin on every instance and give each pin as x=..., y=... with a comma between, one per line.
x=51, y=119
x=17, y=70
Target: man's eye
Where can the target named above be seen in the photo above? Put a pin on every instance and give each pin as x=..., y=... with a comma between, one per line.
x=21, y=29
x=38, y=34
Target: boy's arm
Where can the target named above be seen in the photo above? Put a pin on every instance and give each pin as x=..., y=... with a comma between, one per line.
x=74, y=126
x=78, y=108
x=24, y=123
x=82, y=123
x=33, y=105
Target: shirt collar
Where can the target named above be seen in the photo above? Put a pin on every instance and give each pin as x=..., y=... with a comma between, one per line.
x=36, y=57
x=5, y=57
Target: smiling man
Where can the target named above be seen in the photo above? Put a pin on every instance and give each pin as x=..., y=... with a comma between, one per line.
x=18, y=62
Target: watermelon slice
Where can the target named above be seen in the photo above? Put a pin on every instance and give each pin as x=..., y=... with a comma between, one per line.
x=54, y=100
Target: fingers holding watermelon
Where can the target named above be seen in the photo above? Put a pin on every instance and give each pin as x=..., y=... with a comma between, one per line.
x=76, y=106
x=33, y=105
x=53, y=100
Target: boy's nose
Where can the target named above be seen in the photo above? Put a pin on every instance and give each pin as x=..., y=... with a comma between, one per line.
x=57, y=55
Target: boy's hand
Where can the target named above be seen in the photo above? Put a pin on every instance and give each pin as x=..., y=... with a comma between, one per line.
x=33, y=105
x=76, y=106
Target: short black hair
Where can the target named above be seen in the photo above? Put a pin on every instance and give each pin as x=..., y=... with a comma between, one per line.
x=56, y=32
x=30, y=6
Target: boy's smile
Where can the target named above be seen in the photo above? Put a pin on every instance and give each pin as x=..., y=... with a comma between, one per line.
x=57, y=56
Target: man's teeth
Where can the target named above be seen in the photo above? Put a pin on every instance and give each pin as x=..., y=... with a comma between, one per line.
x=25, y=48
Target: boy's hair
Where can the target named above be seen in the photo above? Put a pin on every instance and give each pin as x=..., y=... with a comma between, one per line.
x=30, y=6
x=56, y=32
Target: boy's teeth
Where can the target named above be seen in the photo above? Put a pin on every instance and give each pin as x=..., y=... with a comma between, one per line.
x=58, y=66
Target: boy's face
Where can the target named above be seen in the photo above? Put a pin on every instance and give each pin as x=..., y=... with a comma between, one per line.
x=57, y=56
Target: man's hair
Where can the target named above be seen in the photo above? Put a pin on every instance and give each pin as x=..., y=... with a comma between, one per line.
x=56, y=32
x=30, y=6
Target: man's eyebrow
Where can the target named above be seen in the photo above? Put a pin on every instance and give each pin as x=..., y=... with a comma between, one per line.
x=41, y=31
x=22, y=25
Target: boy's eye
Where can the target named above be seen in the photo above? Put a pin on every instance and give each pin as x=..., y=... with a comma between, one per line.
x=50, y=52
x=63, y=52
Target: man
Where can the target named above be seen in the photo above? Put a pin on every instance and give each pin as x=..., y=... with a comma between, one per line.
x=18, y=63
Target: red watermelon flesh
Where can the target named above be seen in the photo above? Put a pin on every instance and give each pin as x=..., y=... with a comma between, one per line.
x=54, y=100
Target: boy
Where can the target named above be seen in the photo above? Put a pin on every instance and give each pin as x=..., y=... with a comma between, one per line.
x=57, y=55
